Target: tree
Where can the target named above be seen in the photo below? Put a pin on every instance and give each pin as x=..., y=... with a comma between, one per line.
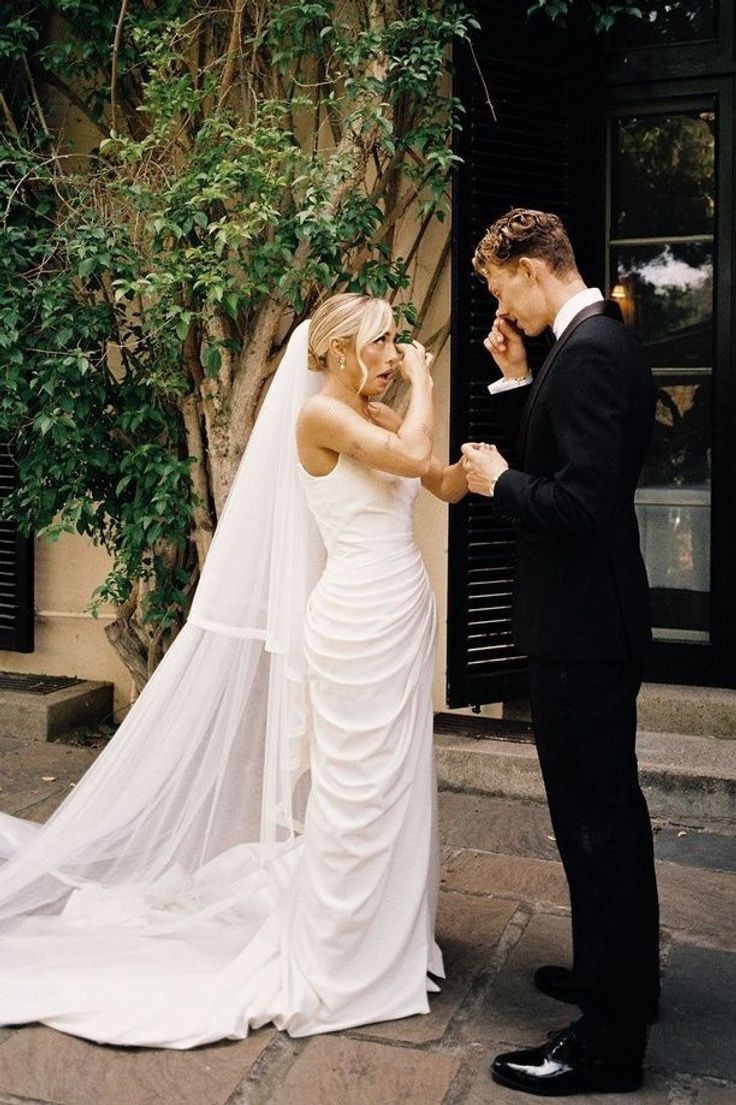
x=245, y=160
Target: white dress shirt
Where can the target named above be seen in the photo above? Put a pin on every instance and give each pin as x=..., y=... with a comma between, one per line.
x=563, y=318
x=573, y=306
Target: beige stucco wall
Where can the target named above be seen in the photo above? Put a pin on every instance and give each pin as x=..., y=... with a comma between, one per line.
x=431, y=514
x=69, y=641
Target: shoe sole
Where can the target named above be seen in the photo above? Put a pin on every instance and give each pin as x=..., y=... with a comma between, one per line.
x=540, y=1090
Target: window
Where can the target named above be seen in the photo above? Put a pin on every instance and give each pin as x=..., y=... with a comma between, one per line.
x=661, y=255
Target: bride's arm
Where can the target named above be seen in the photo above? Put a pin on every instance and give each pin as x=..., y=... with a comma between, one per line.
x=447, y=481
x=326, y=423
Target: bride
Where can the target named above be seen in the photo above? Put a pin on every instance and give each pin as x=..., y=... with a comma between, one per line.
x=258, y=842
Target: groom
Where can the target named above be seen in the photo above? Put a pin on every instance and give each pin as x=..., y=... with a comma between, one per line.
x=579, y=435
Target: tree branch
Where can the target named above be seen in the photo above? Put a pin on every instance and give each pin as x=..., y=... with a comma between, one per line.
x=201, y=516
x=9, y=120
x=233, y=50
x=114, y=68
x=34, y=94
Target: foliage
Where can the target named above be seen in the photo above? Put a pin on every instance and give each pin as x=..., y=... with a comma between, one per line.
x=238, y=162
x=602, y=13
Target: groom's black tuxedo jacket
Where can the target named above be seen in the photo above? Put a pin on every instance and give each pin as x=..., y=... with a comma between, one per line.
x=580, y=433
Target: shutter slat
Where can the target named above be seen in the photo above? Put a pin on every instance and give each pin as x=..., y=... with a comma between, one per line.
x=16, y=571
x=522, y=159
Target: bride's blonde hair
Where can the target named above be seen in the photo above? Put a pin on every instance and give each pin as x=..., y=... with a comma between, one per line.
x=348, y=316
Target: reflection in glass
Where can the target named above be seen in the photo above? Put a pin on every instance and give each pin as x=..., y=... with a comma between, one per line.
x=663, y=180
x=680, y=452
x=673, y=508
x=666, y=22
x=675, y=543
x=666, y=295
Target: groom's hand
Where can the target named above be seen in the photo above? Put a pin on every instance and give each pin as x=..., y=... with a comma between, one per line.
x=506, y=346
x=483, y=465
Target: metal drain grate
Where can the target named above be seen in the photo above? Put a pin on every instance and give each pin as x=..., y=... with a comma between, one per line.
x=35, y=684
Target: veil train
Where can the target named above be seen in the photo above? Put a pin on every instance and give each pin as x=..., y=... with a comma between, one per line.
x=211, y=758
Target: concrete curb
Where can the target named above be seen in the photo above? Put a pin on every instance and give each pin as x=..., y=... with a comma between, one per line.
x=685, y=778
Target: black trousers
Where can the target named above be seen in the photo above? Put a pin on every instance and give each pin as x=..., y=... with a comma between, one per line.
x=584, y=717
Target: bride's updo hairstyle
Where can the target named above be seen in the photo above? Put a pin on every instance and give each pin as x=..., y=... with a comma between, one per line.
x=350, y=317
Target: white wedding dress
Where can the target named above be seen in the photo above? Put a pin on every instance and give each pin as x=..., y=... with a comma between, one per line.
x=321, y=930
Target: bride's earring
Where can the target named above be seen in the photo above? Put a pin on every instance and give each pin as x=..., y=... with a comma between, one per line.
x=342, y=362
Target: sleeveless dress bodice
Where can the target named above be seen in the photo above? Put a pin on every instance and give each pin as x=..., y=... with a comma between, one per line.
x=362, y=514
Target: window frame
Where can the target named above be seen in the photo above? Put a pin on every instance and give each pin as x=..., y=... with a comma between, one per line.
x=712, y=663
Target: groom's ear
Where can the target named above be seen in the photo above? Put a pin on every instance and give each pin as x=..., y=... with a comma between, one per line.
x=529, y=268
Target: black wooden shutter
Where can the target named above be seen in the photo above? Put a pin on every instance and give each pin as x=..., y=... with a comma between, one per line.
x=526, y=157
x=16, y=572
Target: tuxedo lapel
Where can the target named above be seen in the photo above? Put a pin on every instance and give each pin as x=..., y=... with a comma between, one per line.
x=602, y=307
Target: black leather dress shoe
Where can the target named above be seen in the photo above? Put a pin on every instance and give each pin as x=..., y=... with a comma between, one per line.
x=573, y=1061
x=559, y=983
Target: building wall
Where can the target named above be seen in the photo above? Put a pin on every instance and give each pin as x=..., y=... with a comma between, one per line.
x=68, y=640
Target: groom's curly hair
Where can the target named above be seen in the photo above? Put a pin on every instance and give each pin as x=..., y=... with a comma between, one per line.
x=522, y=232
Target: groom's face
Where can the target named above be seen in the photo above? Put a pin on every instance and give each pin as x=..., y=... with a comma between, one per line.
x=520, y=295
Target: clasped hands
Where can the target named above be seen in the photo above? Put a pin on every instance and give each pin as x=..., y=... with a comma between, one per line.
x=483, y=464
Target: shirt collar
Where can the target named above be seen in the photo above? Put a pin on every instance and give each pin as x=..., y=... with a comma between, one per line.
x=573, y=306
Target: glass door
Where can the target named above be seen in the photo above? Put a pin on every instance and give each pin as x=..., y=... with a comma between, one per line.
x=661, y=241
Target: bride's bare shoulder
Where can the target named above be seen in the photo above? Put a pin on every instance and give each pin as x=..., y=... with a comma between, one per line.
x=320, y=409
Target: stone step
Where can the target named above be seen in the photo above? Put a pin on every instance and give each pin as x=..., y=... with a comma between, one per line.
x=663, y=708
x=687, y=779
x=698, y=711
x=39, y=708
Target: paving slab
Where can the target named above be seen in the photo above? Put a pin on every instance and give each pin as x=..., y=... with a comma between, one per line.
x=513, y=1013
x=695, y=1033
x=490, y=824
x=698, y=905
x=714, y=1095
x=535, y=881
x=37, y=1062
x=655, y=1091
x=35, y=777
x=693, y=902
x=468, y=929
x=337, y=1071
x=696, y=848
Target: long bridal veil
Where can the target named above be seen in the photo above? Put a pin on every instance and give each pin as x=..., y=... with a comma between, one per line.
x=212, y=760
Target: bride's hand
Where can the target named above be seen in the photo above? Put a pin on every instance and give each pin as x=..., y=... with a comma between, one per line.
x=415, y=361
x=384, y=416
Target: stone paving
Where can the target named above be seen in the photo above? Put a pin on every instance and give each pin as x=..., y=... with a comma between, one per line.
x=503, y=911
